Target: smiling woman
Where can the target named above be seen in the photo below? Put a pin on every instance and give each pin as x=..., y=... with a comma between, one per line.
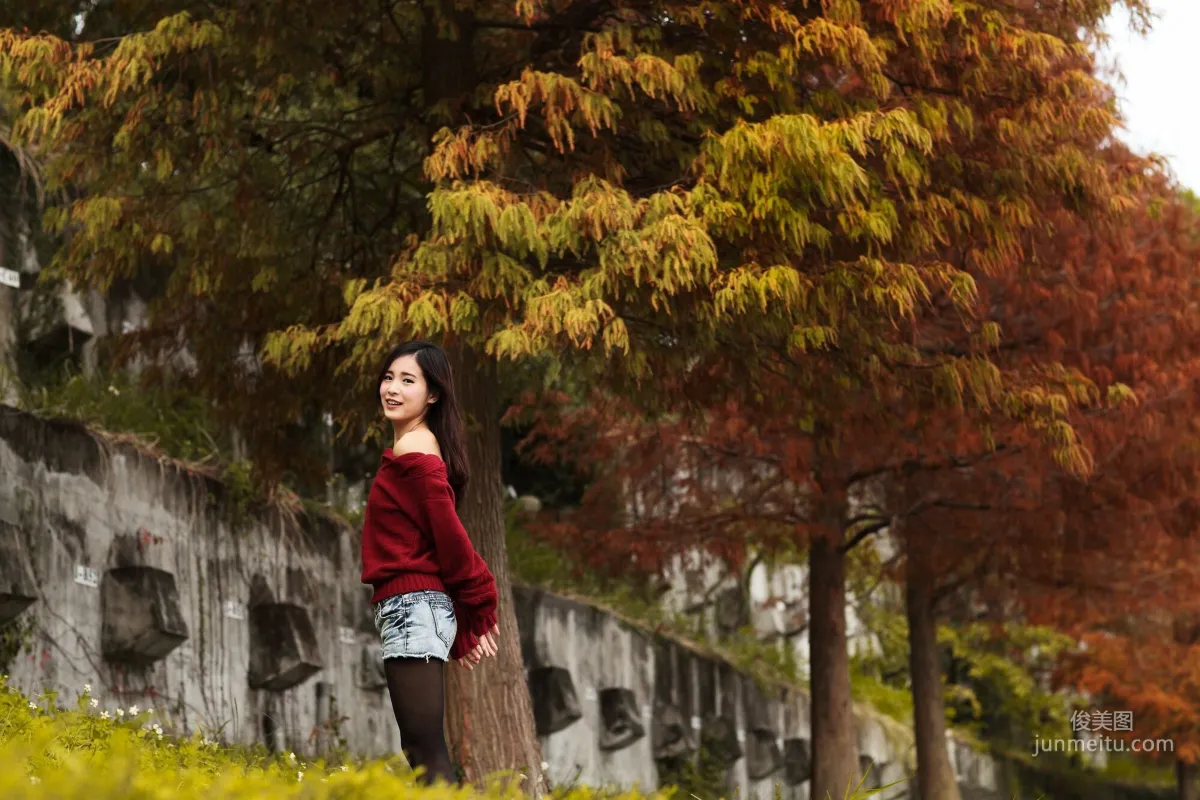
x=435, y=598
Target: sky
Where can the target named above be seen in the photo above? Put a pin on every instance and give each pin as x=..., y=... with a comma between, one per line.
x=1159, y=97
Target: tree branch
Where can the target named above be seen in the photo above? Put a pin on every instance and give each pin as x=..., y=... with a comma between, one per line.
x=869, y=530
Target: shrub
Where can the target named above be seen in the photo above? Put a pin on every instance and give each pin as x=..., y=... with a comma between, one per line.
x=92, y=753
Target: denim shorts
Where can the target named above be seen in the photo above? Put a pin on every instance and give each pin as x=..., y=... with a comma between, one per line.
x=416, y=625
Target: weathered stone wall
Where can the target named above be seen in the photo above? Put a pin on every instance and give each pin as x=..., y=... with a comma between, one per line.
x=612, y=700
x=143, y=580
x=140, y=585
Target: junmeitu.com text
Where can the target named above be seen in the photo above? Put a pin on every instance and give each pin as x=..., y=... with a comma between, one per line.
x=1103, y=744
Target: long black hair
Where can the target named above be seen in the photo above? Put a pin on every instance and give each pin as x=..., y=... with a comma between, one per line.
x=441, y=417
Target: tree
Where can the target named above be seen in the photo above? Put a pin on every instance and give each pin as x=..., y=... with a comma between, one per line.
x=983, y=513
x=18, y=174
x=680, y=197
x=1126, y=586
x=237, y=169
x=1103, y=556
x=1025, y=538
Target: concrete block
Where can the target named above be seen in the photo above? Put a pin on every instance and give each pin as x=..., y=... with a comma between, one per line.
x=731, y=611
x=17, y=592
x=142, y=620
x=797, y=760
x=619, y=714
x=363, y=614
x=555, y=704
x=763, y=756
x=671, y=734
x=12, y=603
x=868, y=767
x=371, y=675
x=357, y=613
x=283, y=646
x=719, y=736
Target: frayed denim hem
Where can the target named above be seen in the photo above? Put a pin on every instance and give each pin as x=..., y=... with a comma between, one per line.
x=426, y=656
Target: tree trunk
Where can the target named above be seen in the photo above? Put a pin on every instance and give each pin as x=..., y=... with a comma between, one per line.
x=1185, y=779
x=834, y=744
x=10, y=257
x=935, y=778
x=489, y=715
x=8, y=336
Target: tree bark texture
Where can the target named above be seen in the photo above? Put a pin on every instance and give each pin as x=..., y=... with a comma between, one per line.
x=935, y=777
x=489, y=714
x=1185, y=779
x=834, y=743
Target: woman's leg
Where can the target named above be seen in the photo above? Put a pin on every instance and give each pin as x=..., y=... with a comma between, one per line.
x=417, y=691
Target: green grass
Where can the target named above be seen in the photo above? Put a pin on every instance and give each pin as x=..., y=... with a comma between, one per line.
x=164, y=417
x=91, y=753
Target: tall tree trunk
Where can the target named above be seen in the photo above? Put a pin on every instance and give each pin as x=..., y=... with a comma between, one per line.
x=489, y=713
x=9, y=258
x=935, y=777
x=1185, y=779
x=8, y=337
x=834, y=744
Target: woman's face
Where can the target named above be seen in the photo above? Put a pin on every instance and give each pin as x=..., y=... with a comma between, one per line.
x=403, y=392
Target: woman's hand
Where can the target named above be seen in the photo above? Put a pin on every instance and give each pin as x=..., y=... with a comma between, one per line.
x=487, y=647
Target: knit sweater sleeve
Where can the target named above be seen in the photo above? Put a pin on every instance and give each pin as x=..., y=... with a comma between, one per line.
x=468, y=580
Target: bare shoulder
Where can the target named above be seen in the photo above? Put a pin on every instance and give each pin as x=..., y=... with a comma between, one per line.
x=418, y=441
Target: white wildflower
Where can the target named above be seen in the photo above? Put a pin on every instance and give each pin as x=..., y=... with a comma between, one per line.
x=133, y=711
x=299, y=776
x=120, y=712
x=345, y=768
x=103, y=715
x=32, y=706
x=95, y=703
x=292, y=757
x=87, y=688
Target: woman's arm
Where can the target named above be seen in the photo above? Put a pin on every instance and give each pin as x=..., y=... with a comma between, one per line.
x=468, y=580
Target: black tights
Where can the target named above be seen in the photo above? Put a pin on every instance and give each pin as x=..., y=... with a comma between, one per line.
x=416, y=688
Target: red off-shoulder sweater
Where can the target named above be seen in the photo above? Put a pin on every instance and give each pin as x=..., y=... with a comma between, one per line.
x=413, y=541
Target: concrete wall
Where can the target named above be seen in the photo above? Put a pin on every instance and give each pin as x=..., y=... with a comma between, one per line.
x=141, y=586
x=578, y=655
x=141, y=581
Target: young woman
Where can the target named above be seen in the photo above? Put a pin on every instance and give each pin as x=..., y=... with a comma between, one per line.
x=435, y=598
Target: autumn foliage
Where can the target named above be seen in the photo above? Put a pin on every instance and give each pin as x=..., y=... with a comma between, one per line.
x=787, y=249
x=1104, y=553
